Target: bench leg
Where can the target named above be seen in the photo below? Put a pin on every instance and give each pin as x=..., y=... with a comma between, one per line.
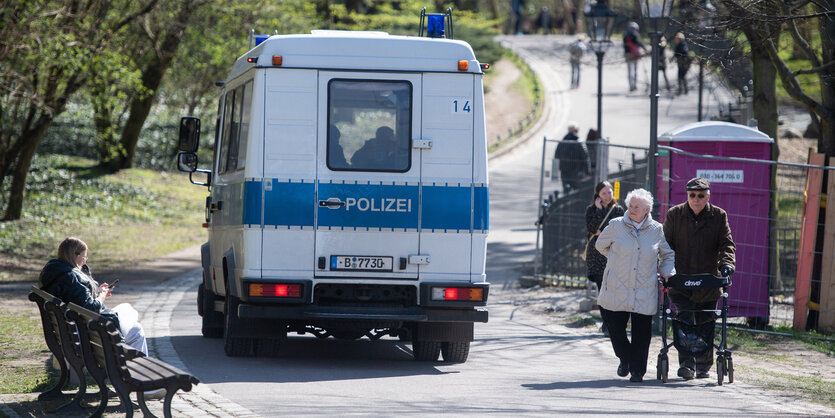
x=124, y=397
x=140, y=398
x=56, y=391
x=166, y=405
x=103, y=395
x=79, y=396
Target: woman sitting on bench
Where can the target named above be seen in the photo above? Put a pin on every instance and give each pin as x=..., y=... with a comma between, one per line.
x=68, y=278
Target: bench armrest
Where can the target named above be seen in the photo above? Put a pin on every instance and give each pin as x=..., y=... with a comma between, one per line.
x=130, y=352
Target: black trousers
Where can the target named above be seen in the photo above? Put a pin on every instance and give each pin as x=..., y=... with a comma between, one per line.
x=684, y=312
x=632, y=352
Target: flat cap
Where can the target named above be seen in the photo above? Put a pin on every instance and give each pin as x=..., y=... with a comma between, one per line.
x=697, y=183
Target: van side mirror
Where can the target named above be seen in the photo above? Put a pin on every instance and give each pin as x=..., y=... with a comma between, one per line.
x=187, y=162
x=189, y=135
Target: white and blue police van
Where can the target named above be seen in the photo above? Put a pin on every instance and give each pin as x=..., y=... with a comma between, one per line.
x=348, y=193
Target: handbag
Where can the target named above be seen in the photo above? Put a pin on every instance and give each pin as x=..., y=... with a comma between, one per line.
x=588, y=241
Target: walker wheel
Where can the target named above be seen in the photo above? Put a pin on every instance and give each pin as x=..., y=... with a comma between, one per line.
x=730, y=370
x=720, y=369
x=663, y=368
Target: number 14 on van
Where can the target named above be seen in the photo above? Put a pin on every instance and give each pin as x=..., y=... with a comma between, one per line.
x=461, y=106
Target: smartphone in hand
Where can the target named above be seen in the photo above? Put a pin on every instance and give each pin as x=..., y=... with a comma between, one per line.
x=112, y=285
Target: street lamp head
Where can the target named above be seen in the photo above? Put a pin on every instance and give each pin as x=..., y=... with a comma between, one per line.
x=656, y=8
x=599, y=21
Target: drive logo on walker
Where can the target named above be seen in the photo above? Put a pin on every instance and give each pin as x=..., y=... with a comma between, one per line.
x=691, y=283
x=373, y=206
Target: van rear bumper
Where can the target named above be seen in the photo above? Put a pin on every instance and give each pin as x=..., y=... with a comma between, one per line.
x=413, y=314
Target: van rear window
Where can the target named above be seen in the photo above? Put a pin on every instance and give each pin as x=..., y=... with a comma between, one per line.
x=369, y=125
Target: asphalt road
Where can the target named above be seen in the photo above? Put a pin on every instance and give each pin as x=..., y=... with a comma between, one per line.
x=520, y=363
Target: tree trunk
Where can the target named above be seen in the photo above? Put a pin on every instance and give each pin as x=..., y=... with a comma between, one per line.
x=14, y=207
x=152, y=75
x=826, y=142
x=765, y=94
x=494, y=9
x=353, y=5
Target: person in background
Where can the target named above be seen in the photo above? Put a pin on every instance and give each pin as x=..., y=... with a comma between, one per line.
x=682, y=56
x=632, y=47
x=662, y=60
x=68, y=278
x=544, y=20
x=602, y=209
x=336, y=154
x=701, y=237
x=637, y=251
x=576, y=50
x=574, y=159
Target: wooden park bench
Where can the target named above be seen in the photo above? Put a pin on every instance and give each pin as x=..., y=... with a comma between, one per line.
x=107, y=356
x=53, y=341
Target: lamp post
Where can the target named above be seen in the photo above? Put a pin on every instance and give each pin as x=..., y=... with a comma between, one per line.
x=599, y=22
x=706, y=23
x=657, y=14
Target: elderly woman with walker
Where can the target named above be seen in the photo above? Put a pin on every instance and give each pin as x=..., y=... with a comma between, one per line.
x=636, y=252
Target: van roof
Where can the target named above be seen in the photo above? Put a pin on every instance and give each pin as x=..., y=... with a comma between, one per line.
x=357, y=50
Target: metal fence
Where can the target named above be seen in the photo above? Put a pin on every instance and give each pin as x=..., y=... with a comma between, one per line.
x=765, y=217
x=562, y=214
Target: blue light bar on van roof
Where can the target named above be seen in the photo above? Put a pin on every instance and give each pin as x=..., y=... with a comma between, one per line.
x=260, y=38
x=435, y=25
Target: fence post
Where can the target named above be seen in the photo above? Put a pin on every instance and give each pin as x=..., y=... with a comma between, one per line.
x=539, y=213
x=826, y=314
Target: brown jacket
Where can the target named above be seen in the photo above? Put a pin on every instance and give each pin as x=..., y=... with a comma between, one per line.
x=702, y=245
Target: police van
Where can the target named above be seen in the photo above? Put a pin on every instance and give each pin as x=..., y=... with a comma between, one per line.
x=347, y=194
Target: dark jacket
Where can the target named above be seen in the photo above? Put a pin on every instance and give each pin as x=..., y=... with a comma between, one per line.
x=631, y=40
x=702, y=244
x=682, y=54
x=60, y=280
x=573, y=156
x=596, y=262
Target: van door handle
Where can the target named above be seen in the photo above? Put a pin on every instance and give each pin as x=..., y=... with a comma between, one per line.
x=332, y=203
x=216, y=206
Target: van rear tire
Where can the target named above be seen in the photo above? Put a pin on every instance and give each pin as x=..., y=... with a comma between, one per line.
x=455, y=351
x=267, y=347
x=426, y=350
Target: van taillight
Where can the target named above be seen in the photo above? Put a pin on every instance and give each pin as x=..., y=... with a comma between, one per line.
x=472, y=294
x=275, y=290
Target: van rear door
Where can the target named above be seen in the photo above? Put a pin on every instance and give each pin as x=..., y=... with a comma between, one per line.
x=448, y=193
x=368, y=187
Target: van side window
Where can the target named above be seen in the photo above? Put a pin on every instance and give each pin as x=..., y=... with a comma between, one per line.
x=227, y=128
x=236, y=128
x=369, y=125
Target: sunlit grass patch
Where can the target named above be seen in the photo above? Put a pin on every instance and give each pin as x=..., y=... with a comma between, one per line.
x=129, y=216
x=22, y=348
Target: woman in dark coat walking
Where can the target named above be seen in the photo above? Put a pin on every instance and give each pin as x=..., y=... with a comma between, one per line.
x=602, y=204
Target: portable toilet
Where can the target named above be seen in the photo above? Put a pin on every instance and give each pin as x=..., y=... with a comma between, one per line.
x=741, y=188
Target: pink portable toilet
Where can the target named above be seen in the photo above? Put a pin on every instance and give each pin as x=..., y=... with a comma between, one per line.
x=742, y=189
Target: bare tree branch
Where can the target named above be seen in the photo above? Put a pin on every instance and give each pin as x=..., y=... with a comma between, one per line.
x=790, y=82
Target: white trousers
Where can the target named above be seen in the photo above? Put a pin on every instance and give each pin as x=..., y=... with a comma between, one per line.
x=130, y=328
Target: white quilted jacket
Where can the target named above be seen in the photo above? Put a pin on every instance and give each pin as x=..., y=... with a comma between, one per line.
x=634, y=256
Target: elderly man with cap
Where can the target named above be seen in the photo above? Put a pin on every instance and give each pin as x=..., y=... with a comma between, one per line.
x=699, y=234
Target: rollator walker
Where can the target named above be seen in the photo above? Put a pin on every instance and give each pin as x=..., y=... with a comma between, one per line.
x=695, y=339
